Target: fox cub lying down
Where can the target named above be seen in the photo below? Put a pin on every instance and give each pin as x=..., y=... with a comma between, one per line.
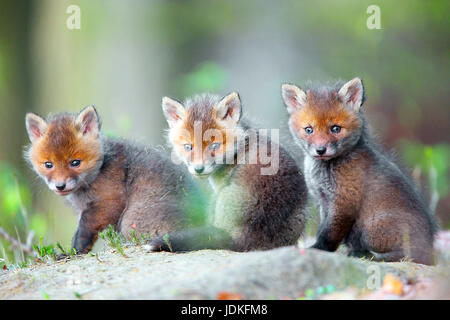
x=255, y=204
x=365, y=200
x=110, y=181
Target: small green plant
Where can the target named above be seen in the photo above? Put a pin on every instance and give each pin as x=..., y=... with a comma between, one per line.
x=78, y=295
x=167, y=241
x=46, y=296
x=139, y=239
x=69, y=252
x=311, y=294
x=45, y=251
x=113, y=238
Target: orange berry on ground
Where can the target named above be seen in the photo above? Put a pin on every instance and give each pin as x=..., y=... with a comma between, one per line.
x=392, y=284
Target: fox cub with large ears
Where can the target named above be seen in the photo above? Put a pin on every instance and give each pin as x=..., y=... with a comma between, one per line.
x=109, y=181
x=255, y=204
x=366, y=201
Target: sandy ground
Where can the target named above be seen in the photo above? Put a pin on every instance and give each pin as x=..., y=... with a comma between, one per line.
x=283, y=273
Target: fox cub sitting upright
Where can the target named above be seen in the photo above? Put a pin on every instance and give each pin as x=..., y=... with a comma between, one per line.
x=109, y=181
x=365, y=200
x=250, y=208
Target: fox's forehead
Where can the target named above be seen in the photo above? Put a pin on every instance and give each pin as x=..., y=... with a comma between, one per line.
x=200, y=130
x=324, y=109
x=199, y=126
x=61, y=134
x=322, y=97
x=204, y=116
x=200, y=118
x=201, y=123
x=62, y=141
x=200, y=110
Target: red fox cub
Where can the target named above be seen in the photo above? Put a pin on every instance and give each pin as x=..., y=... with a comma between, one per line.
x=365, y=199
x=108, y=181
x=258, y=193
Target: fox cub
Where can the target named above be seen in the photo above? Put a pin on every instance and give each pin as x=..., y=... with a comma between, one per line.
x=365, y=199
x=250, y=208
x=109, y=181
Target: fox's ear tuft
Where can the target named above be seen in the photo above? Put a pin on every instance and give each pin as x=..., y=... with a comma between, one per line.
x=351, y=94
x=36, y=126
x=88, y=121
x=229, y=108
x=294, y=98
x=173, y=111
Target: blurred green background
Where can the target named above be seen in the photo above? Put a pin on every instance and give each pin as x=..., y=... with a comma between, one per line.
x=128, y=54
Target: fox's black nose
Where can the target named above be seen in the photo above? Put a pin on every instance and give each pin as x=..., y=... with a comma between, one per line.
x=199, y=169
x=321, y=150
x=60, y=186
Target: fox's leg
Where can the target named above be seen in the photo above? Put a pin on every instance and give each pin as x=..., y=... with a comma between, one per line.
x=93, y=220
x=395, y=234
x=417, y=256
x=207, y=237
x=360, y=254
x=83, y=239
x=220, y=233
x=394, y=256
x=391, y=244
x=391, y=256
x=84, y=236
x=333, y=230
x=339, y=214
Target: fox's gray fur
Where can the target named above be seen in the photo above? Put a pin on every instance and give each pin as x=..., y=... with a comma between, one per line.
x=248, y=211
x=366, y=200
x=132, y=187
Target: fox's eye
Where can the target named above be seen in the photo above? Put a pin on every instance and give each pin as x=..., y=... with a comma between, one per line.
x=309, y=130
x=75, y=163
x=187, y=147
x=48, y=164
x=214, y=146
x=335, y=129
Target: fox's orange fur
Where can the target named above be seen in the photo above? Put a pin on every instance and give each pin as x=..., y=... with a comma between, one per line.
x=109, y=181
x=250, y=209
x=184, y=133
x=62, y=142
x=366, y=201
x=321, y=114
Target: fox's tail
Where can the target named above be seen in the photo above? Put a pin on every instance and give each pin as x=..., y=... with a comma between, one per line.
x=207, y=237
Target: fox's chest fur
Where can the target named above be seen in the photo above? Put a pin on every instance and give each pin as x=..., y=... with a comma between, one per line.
x=321, y=183
x=80, y=200
x=228, y=201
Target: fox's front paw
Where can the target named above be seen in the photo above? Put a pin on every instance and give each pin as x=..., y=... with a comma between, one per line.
x=157, y=245
x=325, y=245
x=62, y=256
x=318, y=246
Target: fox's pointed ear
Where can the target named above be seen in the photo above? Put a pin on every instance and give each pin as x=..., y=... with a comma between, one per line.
x=229, y=108
x=36, y=126
x=88, y=121
x=173, y=111
x=352, y=94
x=294, y=98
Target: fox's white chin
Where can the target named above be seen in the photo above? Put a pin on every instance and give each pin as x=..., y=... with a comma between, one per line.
x=201, y=176
x=324, y=157
x=64, y=192
x=205, y=173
